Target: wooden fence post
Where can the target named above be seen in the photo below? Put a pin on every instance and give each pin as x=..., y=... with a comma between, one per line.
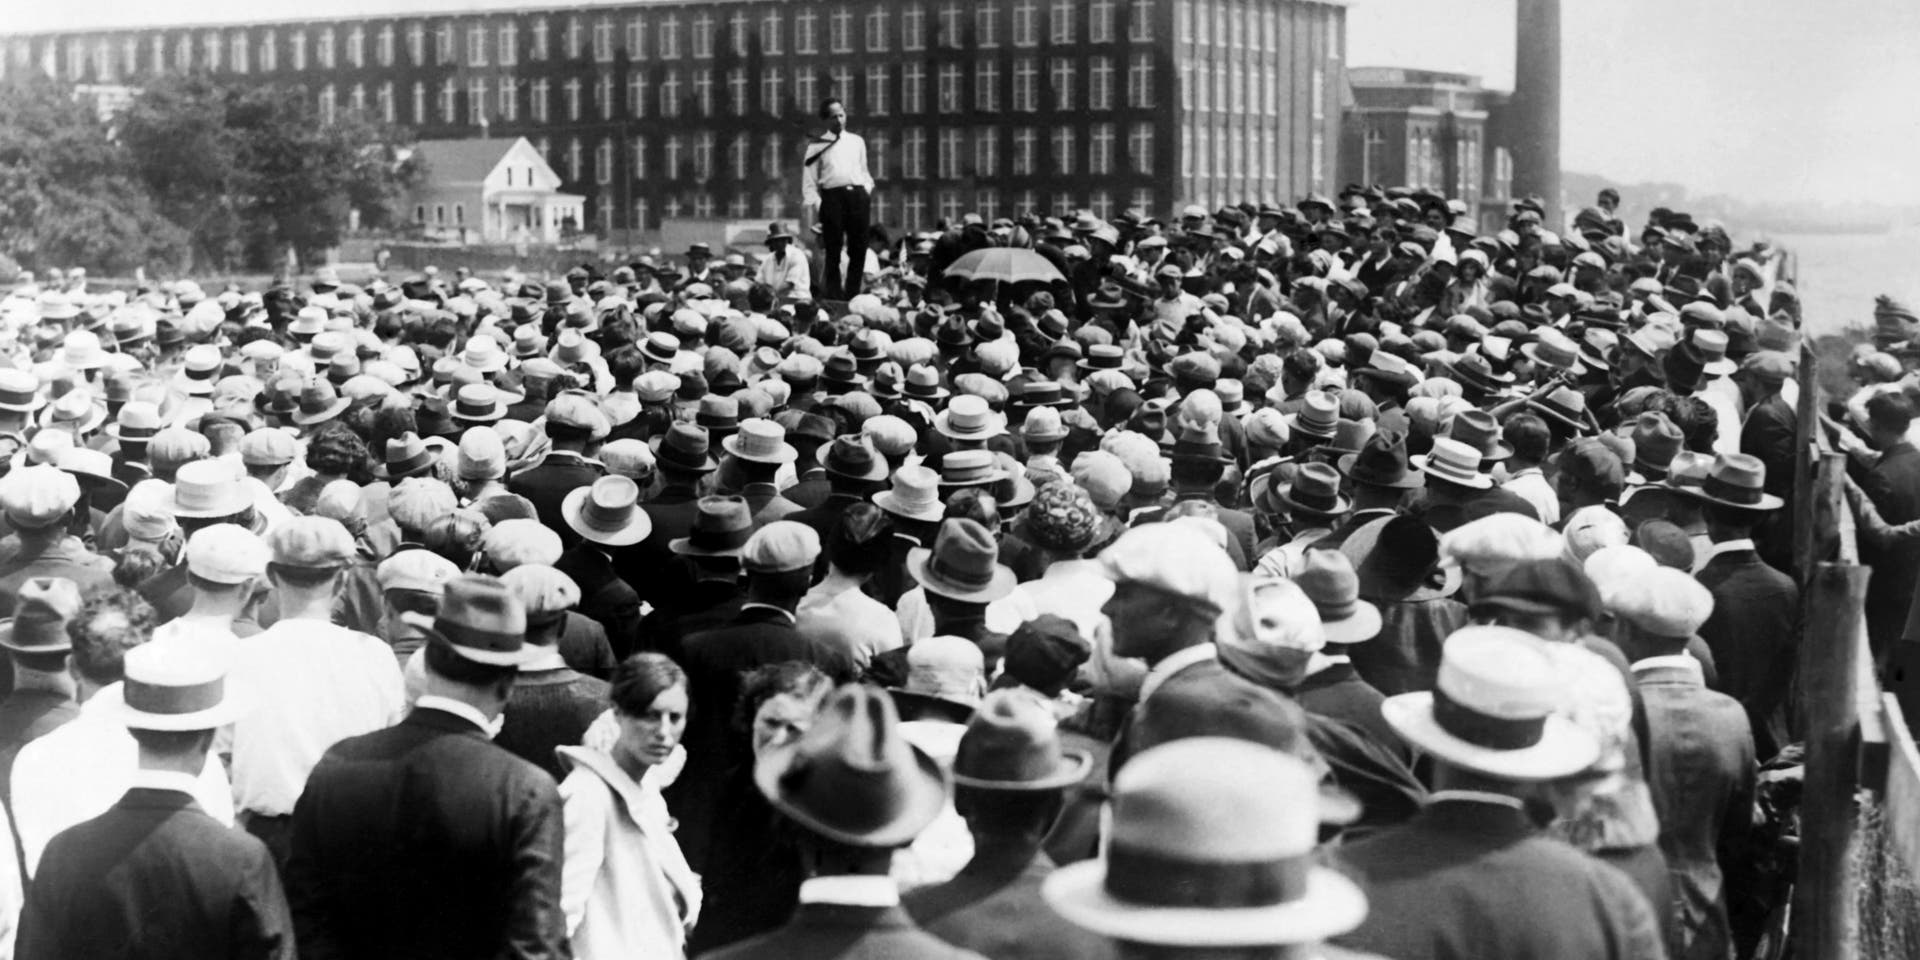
x=1824, y=921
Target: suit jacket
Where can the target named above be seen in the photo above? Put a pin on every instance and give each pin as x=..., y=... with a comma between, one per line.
x=155, y=876
x=67, y=558
x=993, y=907
x=425, y=840
x=1701, y=770
x=654, y=572
x=1405, y=656
x=766, y=504
x=811, y=490
x=1468, y=879
x=715, y=661
x=1752, y=635
x=819, y=931
x=1768, y=434
x=1338, y=693
x=547, y=485
x=605, y=597
x=25, y=716
x=1893, y=484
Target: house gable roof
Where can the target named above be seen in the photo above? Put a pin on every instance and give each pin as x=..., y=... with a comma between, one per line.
x=462, y=161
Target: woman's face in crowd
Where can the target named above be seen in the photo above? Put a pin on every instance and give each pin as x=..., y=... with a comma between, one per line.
x=782, y=720
x=649, y=737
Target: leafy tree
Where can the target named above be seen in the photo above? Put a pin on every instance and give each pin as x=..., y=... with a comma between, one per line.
x=67, y=194
x=251, y=171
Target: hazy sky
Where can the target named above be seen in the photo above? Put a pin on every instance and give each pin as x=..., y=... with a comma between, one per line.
x=1787, y=99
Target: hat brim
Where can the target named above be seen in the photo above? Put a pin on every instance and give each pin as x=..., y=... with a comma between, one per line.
x=1048, y=437
x=786, y=453
x=1340, y=504
x=1768, y=502
x=999, y=586
x=241, y=501
x=932, y=513
x=639, y=524
x=1331, y=905
x=96, y=416
x=38, y=401
x=1720, y=368
x=926, y=796
x=1074, y=767
x=1294, y=425
x=1411, y=480
x=987, y=432
x=876, y=471
x=333, y=409
x=1532, y=353
x=1563, y=749
x=113, y=705
x=683, y=547
x=527, y=653
x=1363, y=625
x=1480, y=481
x=499, y=412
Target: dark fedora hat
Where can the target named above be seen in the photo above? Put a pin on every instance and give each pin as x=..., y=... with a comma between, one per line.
x=1564, y=404
x=1314, y=492
x=1473, y=370
x=1478, y=429
x=854, y=458
x=721, y=526
x=962, y=565
x=1199, y=444
x=853, y=777
x=39, y=622
x=685, y=447
x=1383, y=463
x=1735, y=480
x=1013, y=744
x=481, y=620
x=406, y=456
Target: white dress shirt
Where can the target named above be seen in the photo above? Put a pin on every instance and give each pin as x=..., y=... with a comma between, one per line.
x=788, y=275
x=78, y=770
x=1004, y=615
x=1531, y=485
x=842, y=163
x=309, y=684
x=836, y=611
x=851, y=891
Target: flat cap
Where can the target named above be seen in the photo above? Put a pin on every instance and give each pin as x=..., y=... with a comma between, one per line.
x=226, y=553
x=311, y=542
x=544, y=591
x=422, y=571
x=1177, y=558
x=1664, y=602
x=511, y=543
x=268, y=447
x=781, y=546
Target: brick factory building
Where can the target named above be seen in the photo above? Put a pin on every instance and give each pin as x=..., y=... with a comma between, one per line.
x=658, y=110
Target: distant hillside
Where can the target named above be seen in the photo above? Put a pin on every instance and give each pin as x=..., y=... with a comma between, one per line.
x=1743, y=218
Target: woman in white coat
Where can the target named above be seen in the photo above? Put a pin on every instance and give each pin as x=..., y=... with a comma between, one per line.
x=626, y=889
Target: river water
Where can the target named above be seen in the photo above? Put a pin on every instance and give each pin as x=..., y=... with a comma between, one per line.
x=1840, y=274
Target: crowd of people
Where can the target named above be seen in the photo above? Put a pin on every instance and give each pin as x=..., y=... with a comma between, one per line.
x=1336, y=579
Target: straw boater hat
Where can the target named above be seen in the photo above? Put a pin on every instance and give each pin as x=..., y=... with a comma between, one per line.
x=1454, y=462
x=915, y=495
x=171, y=687
x=607, y=512
x=852, y=777
x=1212, y=846
x=1493, y=709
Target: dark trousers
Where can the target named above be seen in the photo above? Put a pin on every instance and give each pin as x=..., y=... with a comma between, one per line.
x=843, y=225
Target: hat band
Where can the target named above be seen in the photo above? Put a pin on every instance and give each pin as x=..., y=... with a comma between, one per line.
x=918, y=390
x=18, y=398
x=466, y=408
x=410, y=463
x=175, y=700
x=1720, y=489
x=137, y=433
x=711, y=421
x=601, y=517
x=1314, y=499
x=712, y=540
x=675, y=457
x=1481, y=730
x=1334, y=611
x=207, y=374
x=962, y=477
x=1104, y=363
x=1161, y=880
x=943, y=569
x=474, y=638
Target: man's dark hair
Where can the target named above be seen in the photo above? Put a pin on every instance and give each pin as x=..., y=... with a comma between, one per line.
x=1300, y=365
x=1890, y=411
x=1528, y=436
x=110, y=623
x=336, y=451
x=827, y=104
x=171, y=742
x=626, y=365
x=861, y=540
x=973, y=503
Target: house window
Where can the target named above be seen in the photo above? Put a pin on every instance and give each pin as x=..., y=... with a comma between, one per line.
x=947, y=164
x=1063, y=83
x=419, y=103
x=772, y=92
x=637, y=38
x=323, y=50
x=737, y=153
x=476, y=46
x=1026, y=76
x=737, y=91
x=1319, y=93
x=459, y=214
x=986, y=86
x=950, y=206
x=539, y=48
x=236, y=55
x=509, y=101
x=773, y=205
x=416, y=44
x=1140, y=148
x=703, y=37
x=914, y=211
x=637, y=94
x=877, y=90
x=210, y=45
x=269, y=53
x=913, y=27
x=949, y=88
x=638, y=160
x=573, y=98
x=1140, y=21
x=1061, y=22
x=447, y=100
x=986, y=23
x=913, y=154
x=1140, y=81
x=573, y=160
x=1026, y=17
x=1318, y=154
x=676, y=147
x=670, y=94
x=773, y=162
x=913, y=88
x=326, y=104
x=986, y=152
x=842, y=83
x=509, y=44
x=806, y=38
x=703, y=91
x=603, y=40
x=1026, y=202
x=737, y=33
x=383, y=99
x=605, y=208
x=603, y=162
x=986, y=202
x=950, y=35
x=537, y=103
x=1100, y=21
x=1200, y=81
x=439, y=213
x=882, y=206
x=840, y=30
x=1142, y=200
x=806, y=87
x=1100, y=95
x=443, y=44
x=737, y=207
x=879, y=152
x=477, y=101
x=770, y=26
x=1023, y=144
x=703, y=157
x=603, y=95
x=1100, y=150
x=1063, y=144
x=420, y=213
x=703, y=205
x=1101, y=203
x=641, y=212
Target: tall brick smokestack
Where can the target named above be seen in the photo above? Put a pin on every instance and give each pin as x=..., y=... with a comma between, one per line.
x=1534, y=110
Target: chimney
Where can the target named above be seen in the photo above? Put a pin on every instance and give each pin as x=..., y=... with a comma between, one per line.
x=1534, y=110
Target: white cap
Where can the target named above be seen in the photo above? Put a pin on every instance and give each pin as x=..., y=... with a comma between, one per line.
x=226, y=553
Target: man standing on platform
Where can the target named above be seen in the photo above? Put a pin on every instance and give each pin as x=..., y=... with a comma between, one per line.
x=835, y=185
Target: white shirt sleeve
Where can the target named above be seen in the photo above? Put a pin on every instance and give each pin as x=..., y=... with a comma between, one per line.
x=586, y=805
x=810, y=175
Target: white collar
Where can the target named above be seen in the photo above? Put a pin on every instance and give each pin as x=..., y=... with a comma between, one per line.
x=1318, y=662
x=164, y=780
x=464, y=711
x=1677, y=661
x=549, y=659
x=851, y=891
x=1174, y=663
x=1477, y=796
x=1726, y=546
